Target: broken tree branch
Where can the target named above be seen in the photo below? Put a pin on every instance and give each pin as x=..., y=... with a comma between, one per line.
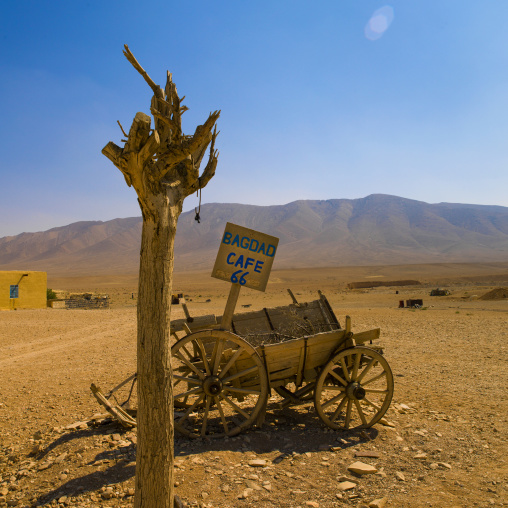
x=128, y=54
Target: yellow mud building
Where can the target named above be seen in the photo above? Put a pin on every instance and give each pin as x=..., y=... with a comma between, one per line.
x=23, y=290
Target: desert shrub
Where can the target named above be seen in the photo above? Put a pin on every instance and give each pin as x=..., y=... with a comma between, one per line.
x=50, y=294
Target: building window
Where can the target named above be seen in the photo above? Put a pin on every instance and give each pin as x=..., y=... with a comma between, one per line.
x=14, y=291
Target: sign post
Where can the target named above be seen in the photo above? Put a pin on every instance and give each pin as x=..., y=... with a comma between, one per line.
x=245, y=258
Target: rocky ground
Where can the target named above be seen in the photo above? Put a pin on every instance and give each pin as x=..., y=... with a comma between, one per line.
x=442, y=443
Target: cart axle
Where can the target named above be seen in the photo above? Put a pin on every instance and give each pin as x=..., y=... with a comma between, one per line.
x=212, y=385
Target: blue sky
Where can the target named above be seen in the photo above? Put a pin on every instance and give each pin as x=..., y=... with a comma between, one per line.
x=319, y=100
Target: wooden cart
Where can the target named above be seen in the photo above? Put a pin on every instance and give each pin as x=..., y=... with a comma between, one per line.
x=223, y=379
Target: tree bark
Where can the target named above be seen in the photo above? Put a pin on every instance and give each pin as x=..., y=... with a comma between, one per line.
x=155, y=448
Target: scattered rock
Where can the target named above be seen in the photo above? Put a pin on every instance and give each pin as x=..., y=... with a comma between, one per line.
x=252, y=485
x=368, y=453
x=400, y=476
x=378, y=503
x=77, y=425
x=361, y=468
x=246, y=493
x=257, y=463
x=346, y=485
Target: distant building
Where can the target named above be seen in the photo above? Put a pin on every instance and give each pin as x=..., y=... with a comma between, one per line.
x=23, y=290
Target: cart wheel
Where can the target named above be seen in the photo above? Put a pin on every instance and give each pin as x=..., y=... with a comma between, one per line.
x=220, y=384
x=354, y=389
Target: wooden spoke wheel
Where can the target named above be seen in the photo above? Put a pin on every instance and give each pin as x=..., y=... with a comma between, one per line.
x=354, y=390
x=220, y=385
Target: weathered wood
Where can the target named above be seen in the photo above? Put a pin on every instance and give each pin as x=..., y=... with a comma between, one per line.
x=230, y=307
x=116, y=411
x=197, y=323
x=163, y=168
x=362, y=337
x=295, y=301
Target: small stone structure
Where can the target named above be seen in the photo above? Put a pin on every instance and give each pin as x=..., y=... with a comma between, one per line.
x=81, y=301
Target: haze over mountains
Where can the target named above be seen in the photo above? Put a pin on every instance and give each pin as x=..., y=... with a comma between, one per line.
x=375, y=230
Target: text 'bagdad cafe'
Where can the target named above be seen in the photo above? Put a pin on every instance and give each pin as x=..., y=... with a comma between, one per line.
x=245, y=257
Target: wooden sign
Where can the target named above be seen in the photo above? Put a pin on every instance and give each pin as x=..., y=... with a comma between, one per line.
x=245, y=257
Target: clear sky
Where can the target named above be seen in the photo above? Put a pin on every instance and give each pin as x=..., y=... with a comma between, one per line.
x=320, y=100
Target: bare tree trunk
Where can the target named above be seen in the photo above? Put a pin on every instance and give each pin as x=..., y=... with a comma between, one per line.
x=155, y=449
x=163, y=167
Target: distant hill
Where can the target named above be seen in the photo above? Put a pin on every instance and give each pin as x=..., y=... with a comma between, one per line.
x=375, y=230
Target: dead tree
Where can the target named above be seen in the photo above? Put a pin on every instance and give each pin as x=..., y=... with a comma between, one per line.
x=162, y=164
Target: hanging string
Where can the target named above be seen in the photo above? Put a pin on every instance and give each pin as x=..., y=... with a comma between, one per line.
x=198, y=210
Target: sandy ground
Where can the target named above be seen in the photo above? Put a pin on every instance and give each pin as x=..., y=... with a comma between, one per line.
x=445, y=446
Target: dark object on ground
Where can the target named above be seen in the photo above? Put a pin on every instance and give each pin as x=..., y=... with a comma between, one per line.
x=495, y=294
x=439, y=292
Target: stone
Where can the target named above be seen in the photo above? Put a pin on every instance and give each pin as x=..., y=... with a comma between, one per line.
x=312, y=504
x=245, y=494
x=257, y=463
x=361, y=468
x=343, y=478
x=378, y=503
x=386, y=423
x=400, y=476
x=444, y=465
x=77, y=425
x=252, y=485
x=61, y=458
x=45, y=465
x=368, y=453
x=37, y=448
x=346, y=486
x=420, y=456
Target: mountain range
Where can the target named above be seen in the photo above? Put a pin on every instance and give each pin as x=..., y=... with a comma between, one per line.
x=376, y=230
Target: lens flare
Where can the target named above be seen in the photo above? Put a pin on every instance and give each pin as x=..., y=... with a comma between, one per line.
x=378, y=23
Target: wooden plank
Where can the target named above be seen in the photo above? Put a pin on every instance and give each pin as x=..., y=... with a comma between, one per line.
x=251, y=323
x=301, y=361
x=229, y=311
x=197, y=323
x=366, y=336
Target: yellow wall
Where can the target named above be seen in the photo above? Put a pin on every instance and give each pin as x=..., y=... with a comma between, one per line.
x=32, y=290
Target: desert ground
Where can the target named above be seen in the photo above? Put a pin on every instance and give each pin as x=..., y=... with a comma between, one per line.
x=443, y=442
